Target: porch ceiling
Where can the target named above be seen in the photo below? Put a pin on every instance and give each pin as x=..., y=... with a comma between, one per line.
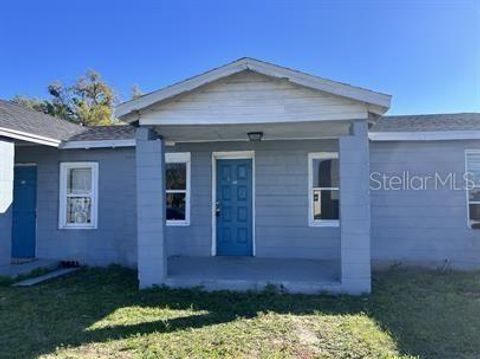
x=271, y=131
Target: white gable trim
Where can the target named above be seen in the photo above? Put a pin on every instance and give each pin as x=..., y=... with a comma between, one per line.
x=380, y=101
x=25, y=136
x=424, y=136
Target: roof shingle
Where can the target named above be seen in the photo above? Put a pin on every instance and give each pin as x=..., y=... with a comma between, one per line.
x=99, y=133
x=430, y=123
x=18, y=118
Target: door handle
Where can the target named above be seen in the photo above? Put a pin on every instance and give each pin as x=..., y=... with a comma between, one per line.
x=217, y=208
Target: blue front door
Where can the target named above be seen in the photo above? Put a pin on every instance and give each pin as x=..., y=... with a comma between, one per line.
x=24, y=212
x=234, y=207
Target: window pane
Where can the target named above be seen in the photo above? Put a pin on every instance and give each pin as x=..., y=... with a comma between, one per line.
x=79, y=180
x=176, y=175
x=475, y=216
x=79, y=210
x=176, y=206
x=325, y=204
x=474, y=195
x=325, y=173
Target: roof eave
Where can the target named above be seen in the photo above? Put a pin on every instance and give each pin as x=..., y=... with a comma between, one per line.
x=29, y=137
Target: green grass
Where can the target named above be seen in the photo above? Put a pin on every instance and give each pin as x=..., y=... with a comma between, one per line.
x=97, y=313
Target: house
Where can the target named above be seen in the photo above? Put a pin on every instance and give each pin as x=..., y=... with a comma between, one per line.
x=245, y=175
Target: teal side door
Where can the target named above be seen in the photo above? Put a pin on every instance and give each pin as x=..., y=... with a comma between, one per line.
x=24, y=212
x=234, y=211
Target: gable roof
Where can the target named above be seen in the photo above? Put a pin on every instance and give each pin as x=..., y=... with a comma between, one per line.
x=427, y=127
x=21, y=123
x=379, y=101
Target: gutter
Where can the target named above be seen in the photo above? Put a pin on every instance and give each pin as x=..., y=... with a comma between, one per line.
x=29, y=137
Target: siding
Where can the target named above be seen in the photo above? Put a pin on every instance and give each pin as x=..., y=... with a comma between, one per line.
x=281, y=204
x=5, y=236
x=281, y=201
x=248, y=97
x=422, y=227
x=114, y=241
x=6, y=195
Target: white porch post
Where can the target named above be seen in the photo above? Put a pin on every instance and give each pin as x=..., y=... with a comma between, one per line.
x=151, y=215
x=7, y=150
x=355, y=210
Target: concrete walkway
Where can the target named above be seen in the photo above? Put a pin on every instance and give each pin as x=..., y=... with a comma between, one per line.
x=14, y=270
x=43, y=278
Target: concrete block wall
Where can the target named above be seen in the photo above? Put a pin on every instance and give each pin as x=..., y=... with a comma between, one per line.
x=355, y=210
x=151, y=208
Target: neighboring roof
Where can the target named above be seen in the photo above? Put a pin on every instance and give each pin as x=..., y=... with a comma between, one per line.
x=379, y=101
x=29, y=125
x=101, y=133
x=427, y=127
x=19, y=122
x=102, y=137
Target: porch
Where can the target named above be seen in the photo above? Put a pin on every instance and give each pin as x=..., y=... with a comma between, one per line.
x=286, y=217
x=251, y=273
x=284, y=201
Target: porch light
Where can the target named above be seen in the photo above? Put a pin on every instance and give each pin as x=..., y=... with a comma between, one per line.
x=255, y=136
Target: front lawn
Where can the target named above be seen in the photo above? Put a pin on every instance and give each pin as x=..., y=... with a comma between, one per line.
x=100, y=313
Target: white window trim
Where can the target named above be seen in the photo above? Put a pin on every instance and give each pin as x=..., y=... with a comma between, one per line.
x=181, y=157
x=64, y=167
x=467, y=192
x=311, y=221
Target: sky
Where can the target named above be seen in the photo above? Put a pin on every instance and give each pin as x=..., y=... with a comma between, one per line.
x=425, y=53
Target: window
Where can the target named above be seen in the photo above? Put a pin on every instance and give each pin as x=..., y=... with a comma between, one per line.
x=177, y=183
x=473, y=192
x=323, y=189
x=78, y=195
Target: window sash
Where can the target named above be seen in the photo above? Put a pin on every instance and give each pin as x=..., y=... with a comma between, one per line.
x=472, y=164
x=311, y=189
x=184, y=157
x=65, y=196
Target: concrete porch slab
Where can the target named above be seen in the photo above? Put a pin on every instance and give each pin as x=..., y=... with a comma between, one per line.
x=250, y=273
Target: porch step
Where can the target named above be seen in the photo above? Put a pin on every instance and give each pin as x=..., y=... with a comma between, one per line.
x=236, y=285
x=56, y=273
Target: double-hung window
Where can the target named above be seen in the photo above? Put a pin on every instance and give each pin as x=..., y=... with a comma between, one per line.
x=323, y=189
x=472, y=161
x=177, y=183
x=78, y=195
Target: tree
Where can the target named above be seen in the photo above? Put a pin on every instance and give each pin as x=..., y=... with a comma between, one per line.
x=88, y=102
x=32, y=103
x=136, y=91
x=93, y=100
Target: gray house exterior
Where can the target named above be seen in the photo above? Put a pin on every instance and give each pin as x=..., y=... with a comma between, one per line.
x=245, y=175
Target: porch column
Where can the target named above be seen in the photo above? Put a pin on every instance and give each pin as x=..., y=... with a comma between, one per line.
x=7, y=150
x=151, y=215
x=355, y=210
